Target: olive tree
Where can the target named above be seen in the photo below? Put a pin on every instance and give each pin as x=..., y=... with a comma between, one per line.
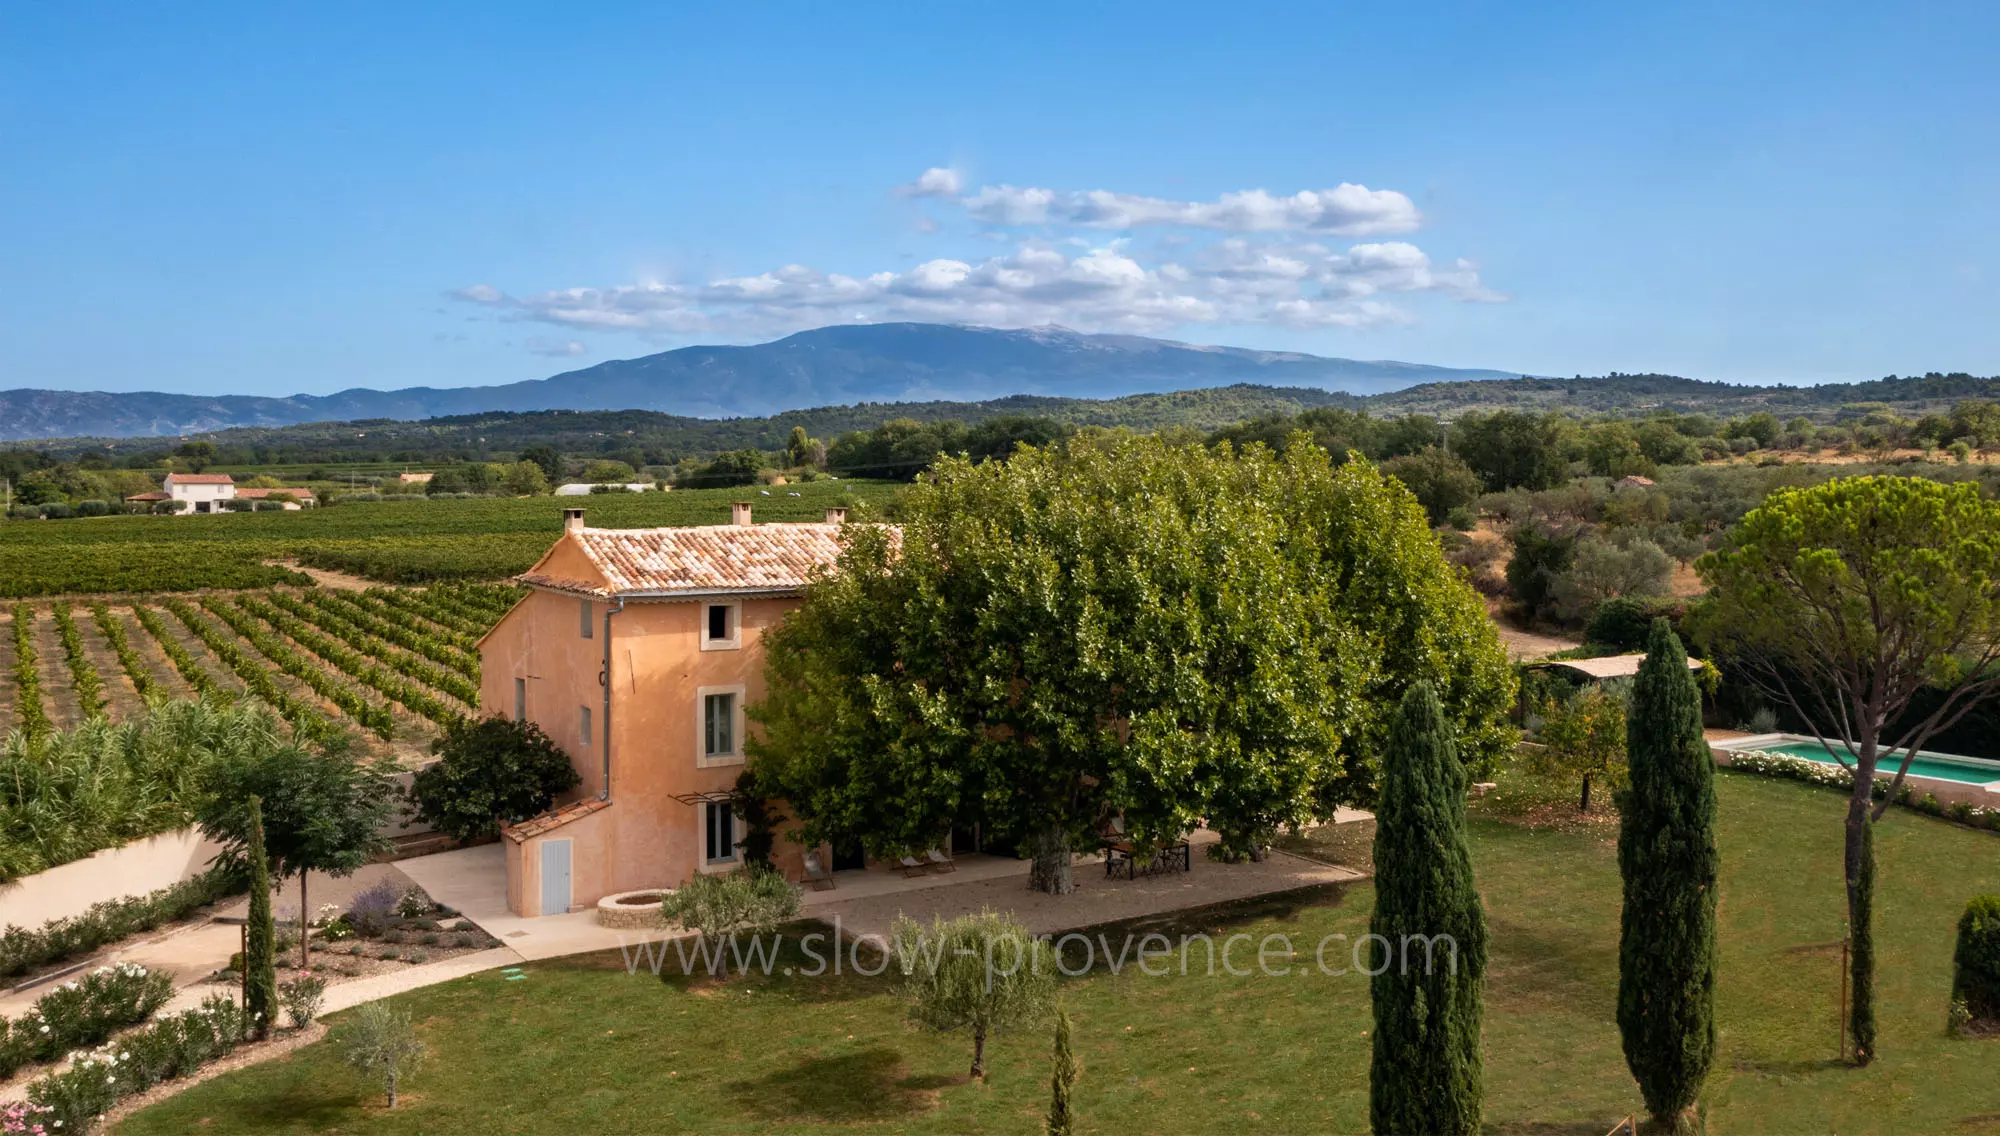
x=1115, y=626
x=1843, y=602
x=982, y=973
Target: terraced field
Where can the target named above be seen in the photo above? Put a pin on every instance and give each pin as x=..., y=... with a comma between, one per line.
x=390, y=666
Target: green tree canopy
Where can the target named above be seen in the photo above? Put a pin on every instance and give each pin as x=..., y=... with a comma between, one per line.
x=321, y=810
x=1118, y=626
x=1843, y=601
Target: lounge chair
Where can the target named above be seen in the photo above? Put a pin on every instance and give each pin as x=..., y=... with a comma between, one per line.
x=940, y=860
x=816, y=875
x=911, y=866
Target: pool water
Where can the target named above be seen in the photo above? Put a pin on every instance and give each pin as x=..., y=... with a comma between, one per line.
x=1944, y=769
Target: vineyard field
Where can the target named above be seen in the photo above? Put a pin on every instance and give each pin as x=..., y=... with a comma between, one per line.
x=399, y=542
x=390, y=667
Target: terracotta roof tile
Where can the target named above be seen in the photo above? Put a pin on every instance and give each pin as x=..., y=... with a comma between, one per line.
x=256, y=494
x=553, y=819
x=711, y=558
x=156, y=495
x=200, y=479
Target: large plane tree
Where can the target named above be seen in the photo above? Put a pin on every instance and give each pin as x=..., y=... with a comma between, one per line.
x=1114, y=626
x=1845, y=602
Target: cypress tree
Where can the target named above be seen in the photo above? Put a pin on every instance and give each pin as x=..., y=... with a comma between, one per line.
x=1062, y=1121
x=1425, y=1076
x=1668, y=858
x=260, y=959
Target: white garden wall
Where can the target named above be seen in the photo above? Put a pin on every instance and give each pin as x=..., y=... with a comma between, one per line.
x=114, y=873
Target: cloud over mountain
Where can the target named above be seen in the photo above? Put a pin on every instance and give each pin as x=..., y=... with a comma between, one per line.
x=1248, y=257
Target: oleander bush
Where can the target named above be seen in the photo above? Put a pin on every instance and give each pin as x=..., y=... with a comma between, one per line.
x=83, y=1011
x=174, y=1046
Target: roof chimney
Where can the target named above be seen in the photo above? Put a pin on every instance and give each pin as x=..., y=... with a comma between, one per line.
x=572, y=520
x=739, y=512
x=836, y=516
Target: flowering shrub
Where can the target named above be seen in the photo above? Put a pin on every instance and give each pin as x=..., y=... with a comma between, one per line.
x=302, y=997
x=83, y=1011
x=369, y=913
x=18, y=1119
x=1840, y=777
x=74, y=1098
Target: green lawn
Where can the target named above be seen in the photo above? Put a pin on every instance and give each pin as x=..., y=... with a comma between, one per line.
x=578, y=1046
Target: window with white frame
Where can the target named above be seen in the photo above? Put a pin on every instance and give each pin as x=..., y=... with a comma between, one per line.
x=719, y=835
x=719, y=725
x=721, y=626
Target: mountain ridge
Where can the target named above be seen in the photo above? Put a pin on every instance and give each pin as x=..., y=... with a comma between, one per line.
x=842, y=364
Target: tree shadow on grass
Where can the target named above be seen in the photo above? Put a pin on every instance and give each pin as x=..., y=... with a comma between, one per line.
x=1549, y=1128
x=796, y=970
x=865, y=1085
x=1541, y=962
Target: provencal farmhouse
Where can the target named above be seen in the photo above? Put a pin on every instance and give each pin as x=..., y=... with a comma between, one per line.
x=636, y=650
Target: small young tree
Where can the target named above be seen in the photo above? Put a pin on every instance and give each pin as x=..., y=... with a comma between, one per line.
x=1062, y=1082
x=1667, y=856
x=490, y=772
x=1582, y=735
x=1426, y=1073
x=718, y=908
x=382, y=1043
x=260, y=954
x=984, y=973
x=321, y=812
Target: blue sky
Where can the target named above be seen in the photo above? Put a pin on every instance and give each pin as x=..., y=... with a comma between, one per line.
x=272, y=199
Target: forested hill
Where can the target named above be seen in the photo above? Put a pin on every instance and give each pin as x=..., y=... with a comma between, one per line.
x=1638, y=394
x=589, y=431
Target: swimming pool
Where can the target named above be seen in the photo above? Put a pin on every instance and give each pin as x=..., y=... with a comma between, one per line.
x=1938, y=766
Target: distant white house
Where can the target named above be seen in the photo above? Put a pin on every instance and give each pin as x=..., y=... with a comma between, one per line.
x=421, y=478
x=583, y=488
x=205, y=493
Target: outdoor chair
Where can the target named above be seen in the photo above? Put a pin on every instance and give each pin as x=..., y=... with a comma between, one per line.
x=816, y=875
x=940, y=860
x=911, y=866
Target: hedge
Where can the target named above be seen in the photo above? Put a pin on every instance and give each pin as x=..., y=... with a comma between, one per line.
x=23, y=950
x=1840, y=777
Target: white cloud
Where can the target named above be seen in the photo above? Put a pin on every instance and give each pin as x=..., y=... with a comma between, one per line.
x=1244, y=258
x=938, y=181
x=1108, y=288
x=1347, y=210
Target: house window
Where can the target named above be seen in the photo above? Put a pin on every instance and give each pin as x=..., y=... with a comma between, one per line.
x=583, y=724
x=719, y=844
x=520, y=700
x=583, y=617
x=718, y=717
x=719, y=626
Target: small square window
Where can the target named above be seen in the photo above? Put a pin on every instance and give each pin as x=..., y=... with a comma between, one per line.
x=583, y=621
x=721, y=626
x=583, y=724
x=719, y=839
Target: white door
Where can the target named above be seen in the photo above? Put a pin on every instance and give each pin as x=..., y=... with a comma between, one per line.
x=555, y=877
